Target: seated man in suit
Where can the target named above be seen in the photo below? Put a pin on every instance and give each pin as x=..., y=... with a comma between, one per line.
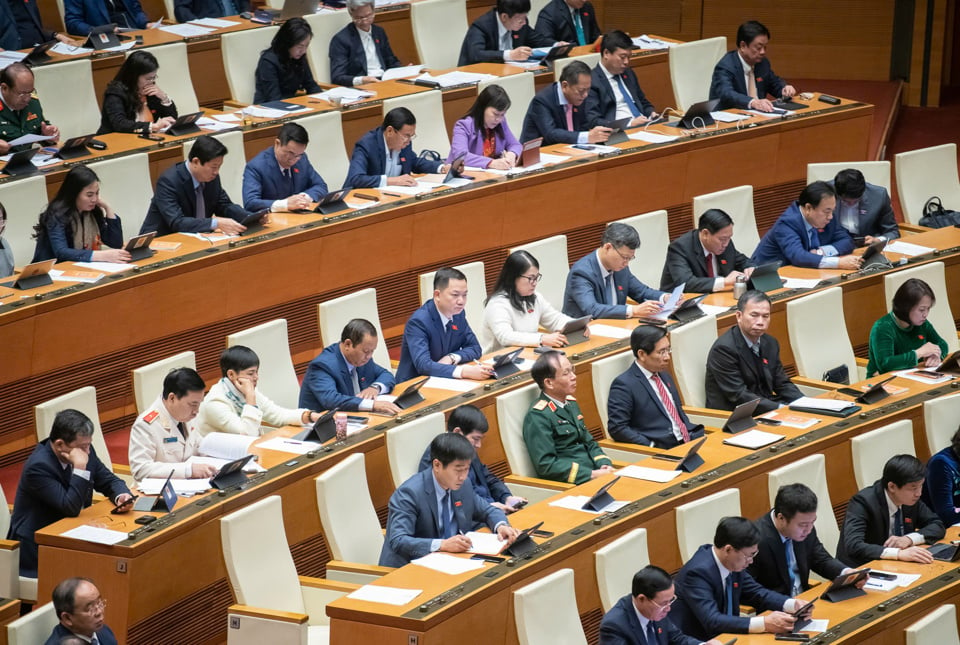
x=743, y=77
x=713, y=584
x=189, y=197
x=281, y=178
x=644, y=405
x=808, y=235
x=437, y=340
x=344, y=375
x=469, y=421
x=889, y=521
x=705, y=259
x=789, y=548
x=79, y=608
x=83, y=16
x=58, y=481
x=640, y=618
x=614, y=89
x=187, y=10
x=568, y=21
x=863, y=209
x=360, y=52
x=557, y=112
x=30, y=28
x=599, y=283
x=384, y=156
x=501, y=34
x=744, y=363
x=20, y=111
x=432, y=510
x=560, y=446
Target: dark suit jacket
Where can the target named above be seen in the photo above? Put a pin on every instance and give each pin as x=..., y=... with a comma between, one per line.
x=485, y=483
x=875, y=214
x=601, y=104
x=636, y=415
x=187, y=10
x=412, y=520
x=347, y=58
x=546, y=118
x=105, y=635
x=686, y=264
x=735, y=375
x=730, y=85
x=555, y=23
x=701, y=602
x=47, y=493
x=327, y=383
x=482, y=42
x=120, y=114
x=369, y=161
x=174, y=204
x=620, y=626
x=425, y=342
x=787, y=241
x=30, y=29
x=263, y=183
x=769, y=568
x=585, y=292
x=81, y=16
x=867, y=525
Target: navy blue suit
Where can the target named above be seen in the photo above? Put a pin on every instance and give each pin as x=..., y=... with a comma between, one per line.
x=413, y=521
x=81, y=16
x=187, y=10
x=699, y=610
x=47, y=493
x=788, y=241
x=586, y=293
x=482, y=42
x=686, y=264
x=173, y=208
x=29, y=28
x=425, y=342
x=327, y=383
x=369, y=161
x=485, y=483
x=769, y=568
x=546, y=118
x=636, y=415
x=263, y=183
x=729, y=84
x=348, y=59
x=874, y=214
x=555, y=23
x=104, y=635
x=601, y=104
x=620, y=626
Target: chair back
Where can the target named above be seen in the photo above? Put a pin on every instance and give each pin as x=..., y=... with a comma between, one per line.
x=347, y=516
x=431, y=128
x=811, y=471
x=512, y=408
x=814, y=351
x=333, y=316
x=241, y=53
x=697, y=520
x=647, y=263
x=325, y=26
x=148, y=380
x=477, y=284
x=407, y=442
x=602, y=373
x=81, y=114
x=23, y=200
x=231, y=172
x=738, y=204
x=691, y=344
x=175, y=68
x=691, y=69
x=546, y=611
x=438, y=30
x=278, y=378
x=940, y=421
x=939, y=626
x=871, y=450
x=590, y=60
x=521, y=90
x=125, y=184
x=83, y=400
x=551, y=253
x=34, y=627
x=327, y=151
x=617, y=562
x=941, y=314
x=922, y=174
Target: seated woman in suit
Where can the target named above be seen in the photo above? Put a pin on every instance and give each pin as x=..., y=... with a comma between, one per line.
x=77, y=224
x=133, y=102
x=484, y=134
x=904, y=338
x=6, y=253
x=283, y=70
x=515, y=312
x=941, y=488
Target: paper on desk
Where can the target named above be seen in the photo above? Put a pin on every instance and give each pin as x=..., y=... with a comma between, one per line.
x=105, y=267
x=385, y=595
x=651, y=137
x=13, y=56
x=68, y=50
x=911, y=374
x=881, y=585
x=95, y=534
x=906, y=248
x=833, y=405
x=216, y=23
x=595, y=148
x=753, y=439
x=229, y=117
x=210, y=237
x=261, y=112
x=903, y=580
x=402, y=72
x=28, y=138
x=447, y=563
x=576, y=502
x=75, y=276
x=525, y=64
x=186, y=30
x=283, y=444
x=800, y=283
x=207, y=123
x=816, y=625
x=457, y=77
x=609, y=331
x=345, y=94
x=250, y=467
x=420, y=187
x=649, y=474
x=225, y=445
x=770, y=115
x=485, y=543
x=791, y=420
x=671, y=304
x=649, y=42
x=152, y=486
x=728, y=117
x=438, y=180
x=452, y=384
x=713, y=310
x=387, y=3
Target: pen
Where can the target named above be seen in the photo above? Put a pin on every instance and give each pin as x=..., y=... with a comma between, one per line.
x=383, y=192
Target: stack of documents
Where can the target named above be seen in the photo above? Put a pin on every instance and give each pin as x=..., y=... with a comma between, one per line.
x=650, y=474
x=402, y=72
x=216, y=23
x=485, y=543
x=187, y=30
x=728, y=117
x=344, y=94
x=651, y=137
x=95, y=534
x=649, y=42
x=385, y=595
x=456, y=78
x=753, y=439
x=906, y=248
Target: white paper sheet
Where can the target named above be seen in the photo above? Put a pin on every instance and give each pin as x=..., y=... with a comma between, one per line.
x=816, y=626
x=609, y=331
x=485, y=543
x=152, y=486
x=651, y=137
x=447, y=563
x=28, y=138
x=385, y=595
x=216, y=23
x=213, y=125
x=451, y=384
x=595, y=148
x=833, y=405
x=456, y=78
x=770, y=115
x=344, y=94
x=186, y=30
x=210, y=237
x=105, y=267
x=525, y=64
x=95, y=534
x=229, y=117
x=283, y=444
x=68, y=50
x=224, y=445
x=906, y=248
x=728, y=117
x=753, y=439
x=402, y=72
x=420, y=187
x=262, y=112
x=649, y=42
x=713, y=310
x=650, y=474
x=800, y=283
x=791, y=420
x=576, y=502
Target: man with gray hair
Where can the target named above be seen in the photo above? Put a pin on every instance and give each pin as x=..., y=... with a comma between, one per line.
x=79, y=608
x=360, y=52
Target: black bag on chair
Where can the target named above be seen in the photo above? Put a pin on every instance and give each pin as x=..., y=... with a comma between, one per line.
x=936, y=216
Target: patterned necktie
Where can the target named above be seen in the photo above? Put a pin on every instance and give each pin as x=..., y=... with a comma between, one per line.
x=627, y=97
x=201, y=204
x=792, y=568
x=670, y=407
x=568, y=109
x=578, y=25
x=711, y=273
x=897, y=528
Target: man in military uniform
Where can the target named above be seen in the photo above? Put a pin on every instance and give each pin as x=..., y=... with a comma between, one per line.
x=557, y=439
x=20, y=111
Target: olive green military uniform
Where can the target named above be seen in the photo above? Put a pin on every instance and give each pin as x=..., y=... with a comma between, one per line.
x=13, y=124
x=560, y=446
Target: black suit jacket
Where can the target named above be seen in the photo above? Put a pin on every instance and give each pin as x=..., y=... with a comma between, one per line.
x=769, y=568
x=347, y=58
x=186, y=10
x=173, y=208
x=620, y=626
x=636, y=415
x=482, y=42
x=686, y=264
x=735, y=375
x=601, y=104
x=104, y=635
x=867, y=525
x=29, y=26
x=546, y=118
x=729, y=84
x=555, y=23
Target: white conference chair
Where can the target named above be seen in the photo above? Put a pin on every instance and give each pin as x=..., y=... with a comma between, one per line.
x=476, y=284
x=939, y=626
x=427, y=107
x=940, y=421
x=334, y=315
x=148, y=380
x=738, y=204
x=327, y=151
x=34, y=627
x=872, y=450
x=175, y=80
x=811, y=471
x=81, y=114
x=438, y=30
x=814, y=351
x=697, y=521
x=874, y=172
x=407, y=442
x=12, y=584
x=23, y=200
x=241, y=52
x=691, y=69
x=650, y=257
x=551, y=253
x=590, y=60
x=324, y=26
x=125, y=184
x=536, y=6
x=924, y=173
x=603, y=371
x=231, y=172
x=170, y=10
x=520, y=88
x=691, y=344
x=616, y=564
x=941, y=314
x=278, y=378
x=546, y=611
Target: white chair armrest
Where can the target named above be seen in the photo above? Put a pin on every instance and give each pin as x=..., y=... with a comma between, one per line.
x=354, y=572
x=255, y=626
x=317, y=593
x=10, y=569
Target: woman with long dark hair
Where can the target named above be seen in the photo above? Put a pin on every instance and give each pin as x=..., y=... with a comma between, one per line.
x=283, y=70
x=133, y=102
x=483, y=133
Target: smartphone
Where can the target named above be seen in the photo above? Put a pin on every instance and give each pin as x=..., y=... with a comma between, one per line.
x=542, y=534
x=139, y=39
x=849, y=391
x=350, y=417
x=151, y=137
x=933, y=376
x=581, y=146
x=145, y=519
x=768, y=422
x=487, y=558
x=520, y=505
x=882, y=576
x=125, y=505
x=801, y=638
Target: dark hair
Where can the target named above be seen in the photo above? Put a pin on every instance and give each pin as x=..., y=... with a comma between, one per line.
x=738, y=532
x=398, y=117
x=908, y=295
x=650, y=581
x=469, y=419
x=356, y=330
x=180, y=381
x=492, y=96
x=515, y=266
x=713, y=220
x=815, y=193
x=295, y=132
x=70, y=424
x=10, y=73
x=645, y=337
x=955, y=442
x=206, y=149
x=619, y=234
x=443, y=277
x=754, y=295
x=573, y=71
x=850, y=183
x=794, y=498
x=64, y=204
x=292, y=32
x=513, y=7
x=614, y=40
x=238, y=358
x=545, y=367
x=65, y=595
x=71, y=639
x=901, y=470
x=449, y=447
x=750, y=30
x=3, y=212
x=128, y=76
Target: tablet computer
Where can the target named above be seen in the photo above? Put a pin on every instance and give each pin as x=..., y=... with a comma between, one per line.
x=38, y=56
x=602, y=498
x=323, y=429
x=574, y=329
x=698, y=115
x=742, y=417
x=692, y=460
x=254, y=221
x=505, y=364
x=139, y=246
x=766, y=277
x=617, y=126
x=411, y=395
x=530, y=155
x=185, y=124
x=230, y=474
x=332, y=202
x=844, y=586
x=33, y=275
x=20, y=162
x=876, y=392
x=75, y=147
x=524, y=544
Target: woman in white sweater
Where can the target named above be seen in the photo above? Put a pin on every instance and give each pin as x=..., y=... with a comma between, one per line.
x=515, y=312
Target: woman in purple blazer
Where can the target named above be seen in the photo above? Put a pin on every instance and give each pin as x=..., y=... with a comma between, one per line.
x=489, y=146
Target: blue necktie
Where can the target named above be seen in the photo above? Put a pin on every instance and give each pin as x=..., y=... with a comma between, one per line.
x=814, y=239
x=651, y=633
x=898, y=522
x=627, y=98
x=578, y=25
x=228, y=8
x=611, y=295
x=448, y=523
x=728, y=591
x=792, y=568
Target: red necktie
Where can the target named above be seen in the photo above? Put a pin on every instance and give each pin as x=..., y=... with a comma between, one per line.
x=670, y=407
x=710, y=272
x=569, y=110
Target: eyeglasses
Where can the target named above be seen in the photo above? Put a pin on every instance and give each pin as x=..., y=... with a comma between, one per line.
x=662, y=607
x=626, y=258
x=533, y=279
x=666, y=351
x=94, y=607
x=361, y=19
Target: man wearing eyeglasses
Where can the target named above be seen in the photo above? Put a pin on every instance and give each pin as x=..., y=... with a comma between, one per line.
x=79, y=608
x=557, y=112
x=281, y=177
x=20, y=112
x=360, y=52
x=384, y=156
